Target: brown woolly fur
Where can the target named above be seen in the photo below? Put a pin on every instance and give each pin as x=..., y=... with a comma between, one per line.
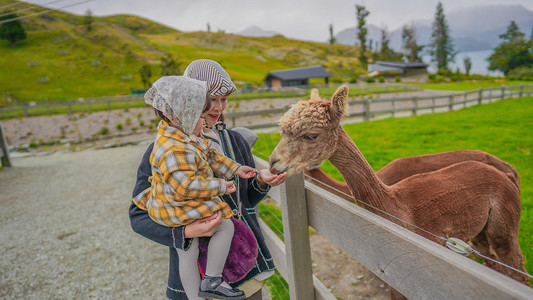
x=469, y=200
x=404, y=167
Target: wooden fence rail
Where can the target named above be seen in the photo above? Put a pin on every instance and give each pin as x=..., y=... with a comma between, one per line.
x=4, y=152
x=131, y=101
x=413, y=265
x=368, y=108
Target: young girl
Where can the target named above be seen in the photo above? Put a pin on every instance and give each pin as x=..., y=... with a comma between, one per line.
x=183, y=186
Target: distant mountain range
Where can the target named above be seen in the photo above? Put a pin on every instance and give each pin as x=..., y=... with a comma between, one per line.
x=254, y=31
x=473, y=28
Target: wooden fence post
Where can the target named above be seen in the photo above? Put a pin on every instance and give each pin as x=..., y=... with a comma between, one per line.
x=521, y=90
x=296, y=233
x=466, y=98
x=503, y=92
x=480, y=96
x=393, y=107
x=415, y=105
x=366, y=102
x=433, y=105
x=530, y=86
x=4, y=152
x=451, y=102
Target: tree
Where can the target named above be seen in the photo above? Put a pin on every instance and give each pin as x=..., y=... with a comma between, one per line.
x=88, y=20
x=441, y=45
x=515, y=51
x=362, y=31
x=208, y=27
x=386, y=52
x=410, y=45
x=332, y=38
x=170, y=65
x=12, y=30
x=468, y=64
x=146, y=73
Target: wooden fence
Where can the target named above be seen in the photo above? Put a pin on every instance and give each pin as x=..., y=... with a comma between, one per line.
x=413, y=265
x=367, y=108
x=131, y=101
x=4, y=152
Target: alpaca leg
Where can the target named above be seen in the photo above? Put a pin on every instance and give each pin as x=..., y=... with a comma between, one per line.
x=502, y=246
x=513, y=257
x=395, y=295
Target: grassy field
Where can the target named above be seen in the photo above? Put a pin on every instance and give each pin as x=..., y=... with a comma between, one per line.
x=471, y=85
x=504, y=129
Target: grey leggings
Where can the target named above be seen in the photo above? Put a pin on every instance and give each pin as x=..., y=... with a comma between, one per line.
x=218, y=249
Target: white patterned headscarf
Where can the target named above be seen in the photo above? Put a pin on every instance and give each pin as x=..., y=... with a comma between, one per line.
x=180, y=99
x=218, y=80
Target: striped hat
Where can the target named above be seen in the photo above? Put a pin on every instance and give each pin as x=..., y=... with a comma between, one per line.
x=218, y=80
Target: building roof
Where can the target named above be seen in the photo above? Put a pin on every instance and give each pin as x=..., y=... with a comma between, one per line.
x=299, y=73
x=388, y=66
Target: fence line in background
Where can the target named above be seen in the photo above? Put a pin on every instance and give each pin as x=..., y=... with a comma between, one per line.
x=413, y=265
x=451, y=101
x=130, y=101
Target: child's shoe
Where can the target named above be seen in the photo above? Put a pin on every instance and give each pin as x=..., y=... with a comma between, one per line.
x=211, y=287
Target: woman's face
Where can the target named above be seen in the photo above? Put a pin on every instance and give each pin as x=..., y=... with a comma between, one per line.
x=218, y=105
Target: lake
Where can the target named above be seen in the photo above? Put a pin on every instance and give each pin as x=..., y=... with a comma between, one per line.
x=480, y=64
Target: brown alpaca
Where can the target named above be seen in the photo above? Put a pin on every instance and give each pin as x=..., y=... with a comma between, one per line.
x=404, y=167
x=469, y=200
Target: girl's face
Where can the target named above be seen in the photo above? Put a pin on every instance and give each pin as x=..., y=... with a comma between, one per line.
x=199, y=125
x=218, y=105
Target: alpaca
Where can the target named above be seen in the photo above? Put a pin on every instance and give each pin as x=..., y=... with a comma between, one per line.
x=469, y=200
x=404, y=167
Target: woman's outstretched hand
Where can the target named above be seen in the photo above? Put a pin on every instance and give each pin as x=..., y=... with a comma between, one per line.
x=204, y=227
x=266, y=178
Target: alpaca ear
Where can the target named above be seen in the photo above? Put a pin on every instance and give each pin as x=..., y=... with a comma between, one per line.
x=339, y=101
x=314, y=95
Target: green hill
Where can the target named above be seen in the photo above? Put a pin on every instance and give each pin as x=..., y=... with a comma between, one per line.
x=60, y=59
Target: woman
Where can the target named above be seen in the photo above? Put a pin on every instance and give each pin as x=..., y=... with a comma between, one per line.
x=249, y=192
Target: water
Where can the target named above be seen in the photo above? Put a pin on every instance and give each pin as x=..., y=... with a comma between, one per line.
x=480, y=65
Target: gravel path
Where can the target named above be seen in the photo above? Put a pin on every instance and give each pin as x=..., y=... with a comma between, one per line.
x=66, y=233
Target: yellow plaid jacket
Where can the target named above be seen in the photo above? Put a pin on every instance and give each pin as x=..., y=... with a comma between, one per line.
x=183, y=185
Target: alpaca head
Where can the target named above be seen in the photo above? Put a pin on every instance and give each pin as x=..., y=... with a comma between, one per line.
x=309, y=132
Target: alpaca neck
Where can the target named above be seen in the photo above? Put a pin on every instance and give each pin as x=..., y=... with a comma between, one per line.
x=359, y=176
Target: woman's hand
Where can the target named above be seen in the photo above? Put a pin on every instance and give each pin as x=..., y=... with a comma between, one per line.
x=204, y=227
x=266, y=178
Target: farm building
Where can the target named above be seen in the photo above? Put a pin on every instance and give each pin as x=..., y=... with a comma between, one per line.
x=297, y=76
x=396, y=68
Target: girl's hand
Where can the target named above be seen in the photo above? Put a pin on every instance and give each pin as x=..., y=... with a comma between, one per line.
x=204, y=227
x=245, y=172
x=230, y=187
x=266, y=178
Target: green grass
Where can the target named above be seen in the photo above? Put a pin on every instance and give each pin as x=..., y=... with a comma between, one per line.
x=471, y=85
x=504, y=129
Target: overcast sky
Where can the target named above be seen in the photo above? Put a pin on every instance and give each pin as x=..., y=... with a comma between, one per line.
x=300, y=19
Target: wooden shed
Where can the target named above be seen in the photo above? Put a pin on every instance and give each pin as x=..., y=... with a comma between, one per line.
x=397, y=68
x=295, y=77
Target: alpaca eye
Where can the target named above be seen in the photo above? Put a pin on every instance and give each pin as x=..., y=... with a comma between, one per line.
x=310, y=137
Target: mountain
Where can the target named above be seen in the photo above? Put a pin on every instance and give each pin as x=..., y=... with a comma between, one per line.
x=254, y=31
x=61, y=59
x=472, y=28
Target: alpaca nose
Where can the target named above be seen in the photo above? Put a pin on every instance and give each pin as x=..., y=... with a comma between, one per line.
x=272, y=161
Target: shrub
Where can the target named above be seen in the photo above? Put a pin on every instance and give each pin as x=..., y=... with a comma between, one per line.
x=104, y=131
x=119, y=126
x=127, y=121
x=398, y=79
x=370, y=80
x=381, y=79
